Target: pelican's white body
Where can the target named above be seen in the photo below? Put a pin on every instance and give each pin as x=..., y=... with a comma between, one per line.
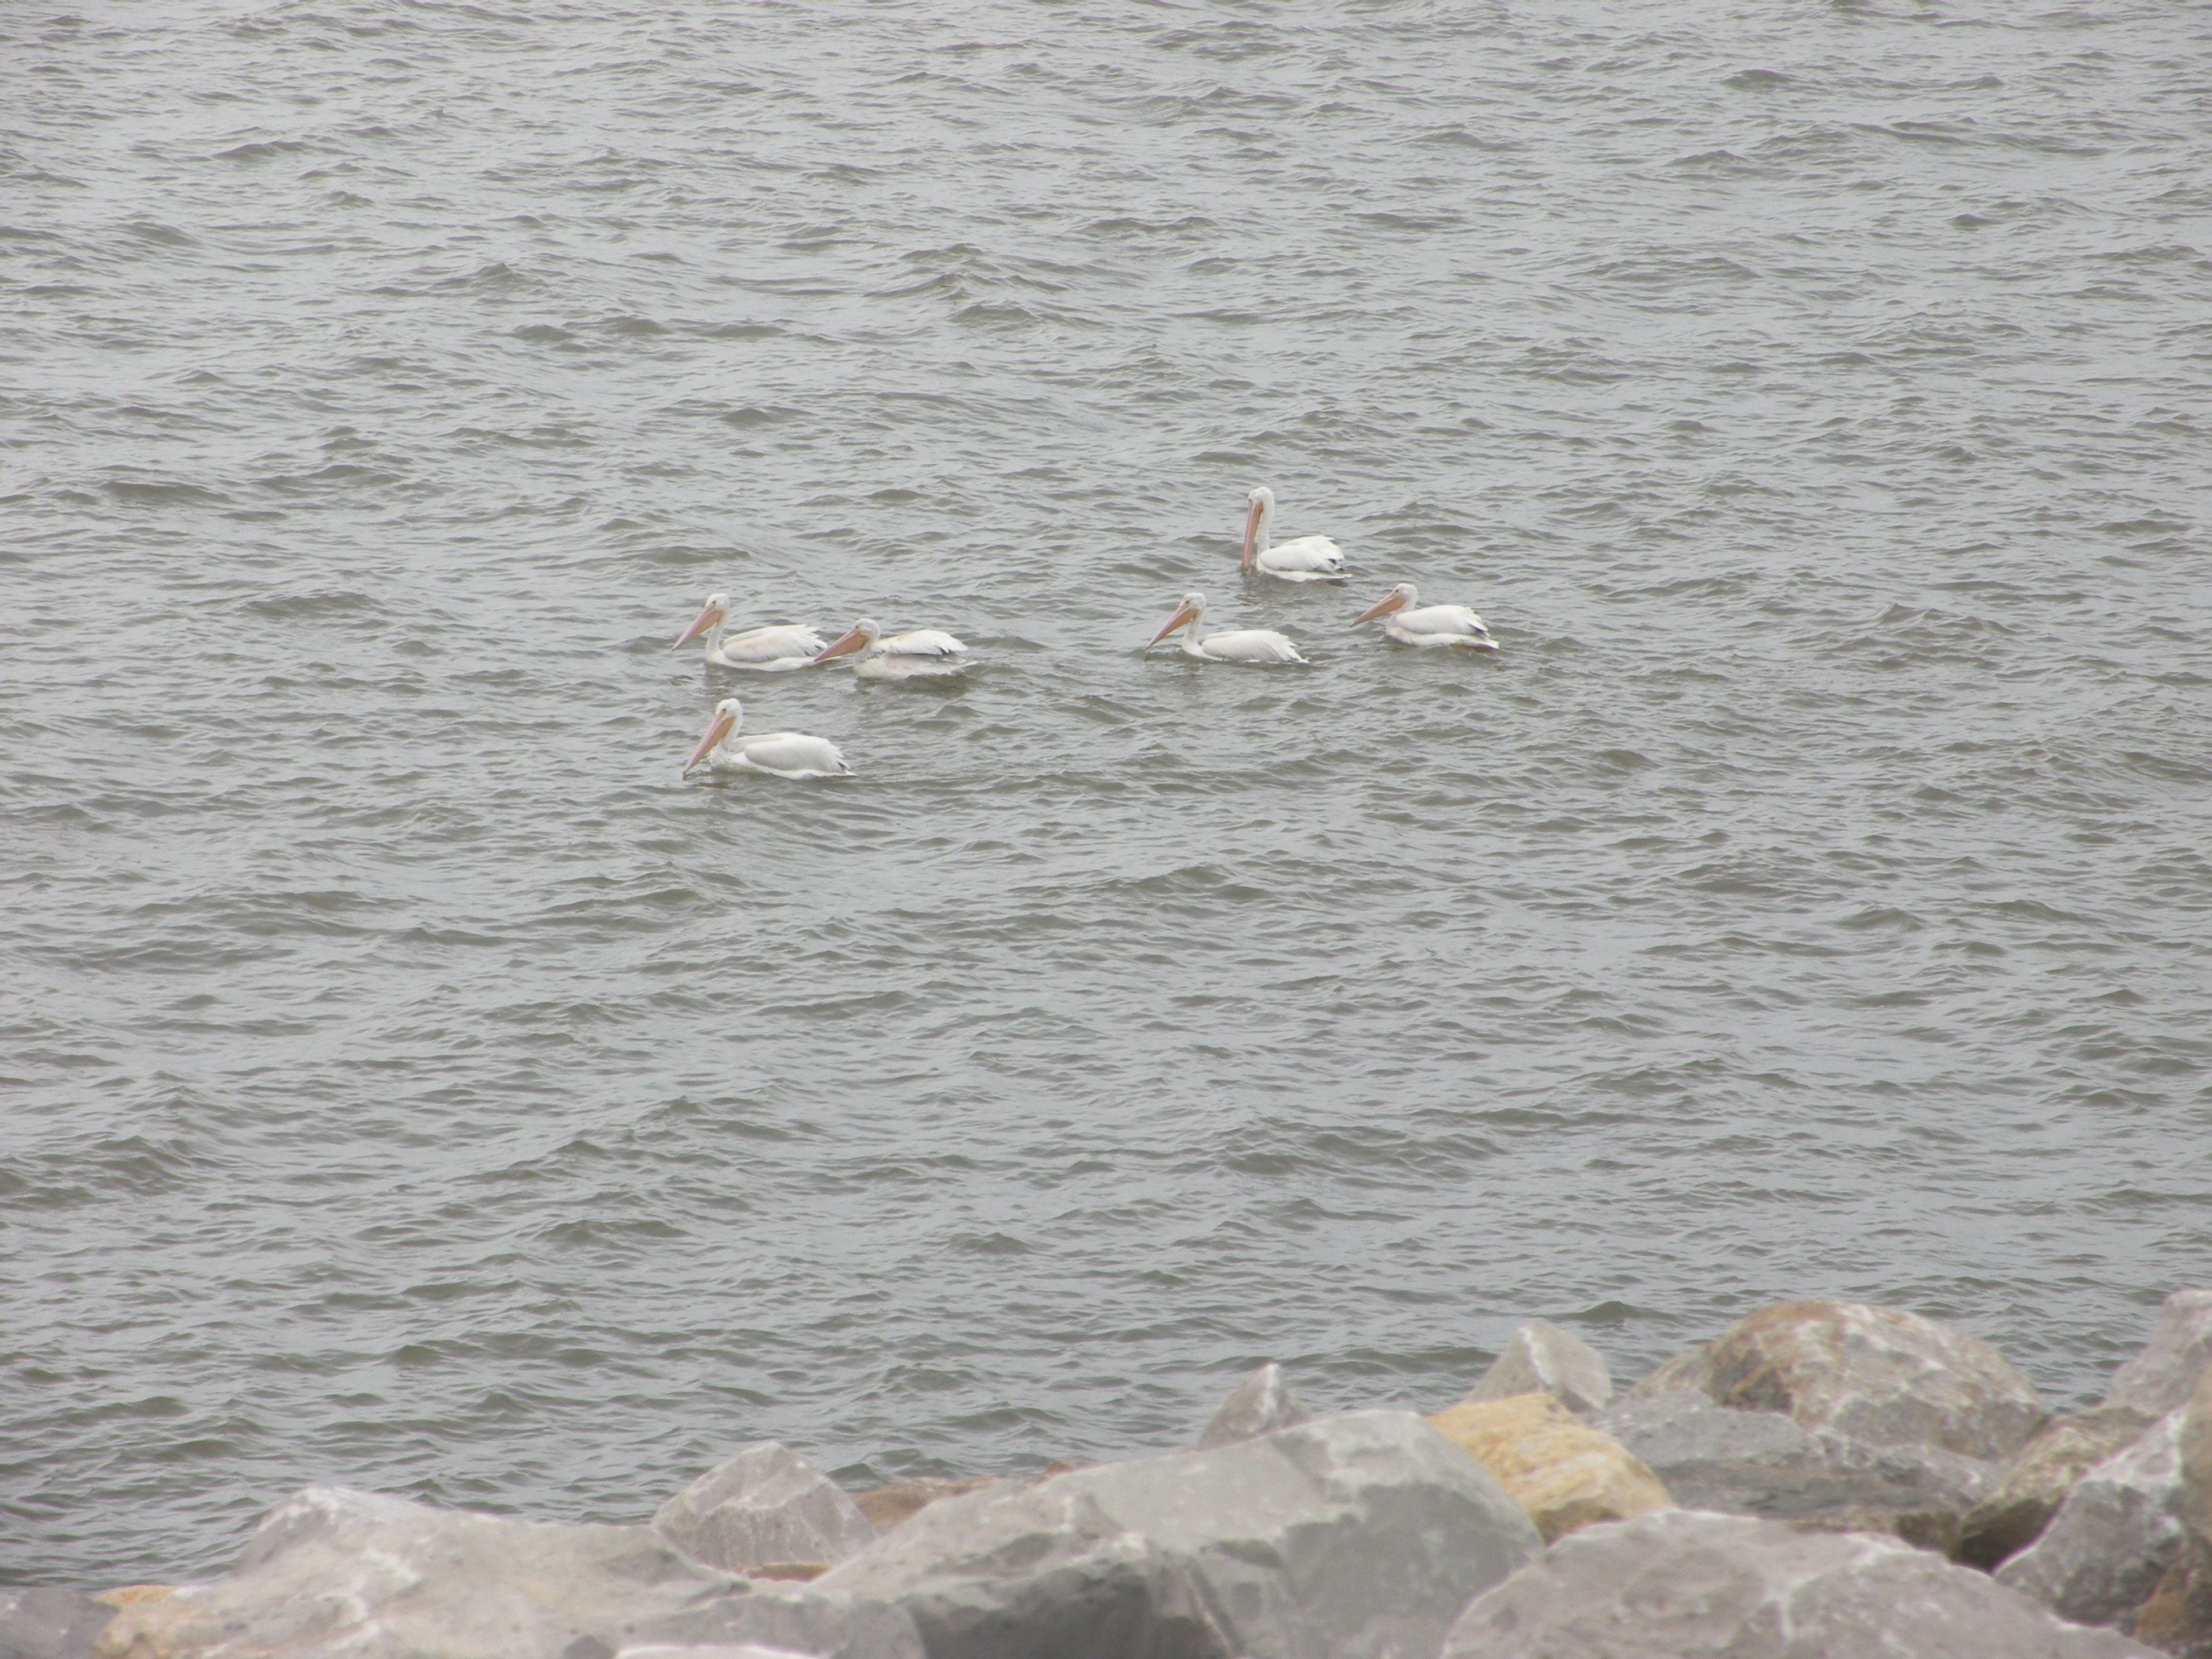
x=765, y=650
x=780, y=754
x=1237, y=644
x=880, y=656
x=1241, y=645
x=771, y=650
x=1408, y=622
x=1439, y=625
x=1302, y=559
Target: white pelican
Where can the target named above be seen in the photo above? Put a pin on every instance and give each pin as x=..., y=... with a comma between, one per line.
x=1304, y=559
x=1251, y=645
x=771, y=650
x=781, y=754
x=1410, y=623
x=897, y=656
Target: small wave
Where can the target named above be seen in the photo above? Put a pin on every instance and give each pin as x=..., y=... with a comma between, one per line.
x=153, y=492
x=263, y=149
x=996, y=314
x=312, y=607
x=1925, y=132
x=1460, y=137
x=161, y=236
x=1122, y=227
x=1401, y=219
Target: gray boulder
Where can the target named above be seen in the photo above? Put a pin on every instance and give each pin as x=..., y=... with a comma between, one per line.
x=713, y=1650
x=2176, y=1617
x=1259, y=1405
x=1680, y=1584
x=332, y=1572
x=2155, y=1381
x=1541, y=1359
x=1877, y=1374
x=2037, y=1481
x=765, y=1505
x=1354, y=1537
x=1684, y=1431
x=49, y=1624
x=2113, y=1538
x=1765, y=1464
x=2159, y=1379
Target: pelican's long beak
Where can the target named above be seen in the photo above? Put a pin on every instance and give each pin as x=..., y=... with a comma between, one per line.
x=852, y=640
x=717, y=729
x=706, y=619
x=1183, y=614
x=1382, y=607
x=1251, y=532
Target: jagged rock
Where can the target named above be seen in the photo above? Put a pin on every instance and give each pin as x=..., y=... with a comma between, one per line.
x=766, y=1505
x=1541, y=1359
x=1765, y=1464
x=2113, y=1537
x=2041, y=1473
x=2195, y=1447
x=713, y=1650
x=50, y=1624
x=1877, y=1374
x=1562, y=1471
x=1259, y=1405
x=2155, y=1381
x=2176, y=1617
x=1360, y=1536
x=1690, y=1373
x=332, y=1572
x=1681, y=1584
x=2161, y=1378
x=887, y=1506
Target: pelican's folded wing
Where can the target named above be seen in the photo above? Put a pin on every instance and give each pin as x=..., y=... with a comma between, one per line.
x=1309, y=555
x=770, y=644
x=924, y=642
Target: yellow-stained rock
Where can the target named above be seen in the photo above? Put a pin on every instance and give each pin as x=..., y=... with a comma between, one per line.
x=1562, y=1471
x=125, y=1595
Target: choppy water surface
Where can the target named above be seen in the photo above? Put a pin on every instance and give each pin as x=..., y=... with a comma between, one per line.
x=410, y=1083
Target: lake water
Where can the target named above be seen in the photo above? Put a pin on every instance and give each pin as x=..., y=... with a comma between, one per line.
x=410, y=1082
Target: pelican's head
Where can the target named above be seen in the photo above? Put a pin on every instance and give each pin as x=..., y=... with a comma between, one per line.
x=727, y=714
x=1187, y=614
x=859, y=637
x=1258, y=506
x=710, y=615
x=1396, y=600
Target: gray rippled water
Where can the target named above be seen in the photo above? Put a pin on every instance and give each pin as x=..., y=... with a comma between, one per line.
x=409, y=1082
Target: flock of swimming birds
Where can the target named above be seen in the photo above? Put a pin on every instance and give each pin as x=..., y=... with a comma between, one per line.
x=932, y=652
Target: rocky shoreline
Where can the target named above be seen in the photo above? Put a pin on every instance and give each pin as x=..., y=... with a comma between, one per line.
x=1823, y=1479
